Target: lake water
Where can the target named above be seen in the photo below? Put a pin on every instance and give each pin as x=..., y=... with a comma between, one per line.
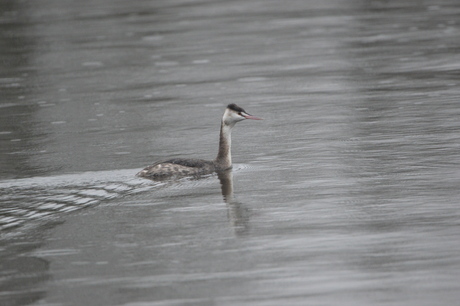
x=347, y=193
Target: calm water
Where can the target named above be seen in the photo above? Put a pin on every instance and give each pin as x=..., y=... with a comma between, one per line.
x=346, y=194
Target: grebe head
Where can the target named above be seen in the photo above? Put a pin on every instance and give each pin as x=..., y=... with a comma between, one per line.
x=234, y=114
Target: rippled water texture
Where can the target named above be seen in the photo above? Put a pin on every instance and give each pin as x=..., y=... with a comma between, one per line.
x=346, y=194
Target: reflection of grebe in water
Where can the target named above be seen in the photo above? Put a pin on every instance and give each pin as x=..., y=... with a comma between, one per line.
x=179, y=167
x=238, y=214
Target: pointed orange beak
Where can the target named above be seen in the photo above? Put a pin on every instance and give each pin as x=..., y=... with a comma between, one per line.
x=247, y=116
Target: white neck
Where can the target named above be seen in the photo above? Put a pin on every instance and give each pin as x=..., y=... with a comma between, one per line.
x=224, y=157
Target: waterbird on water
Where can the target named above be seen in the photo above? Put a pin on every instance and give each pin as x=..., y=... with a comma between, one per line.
x=181, y=167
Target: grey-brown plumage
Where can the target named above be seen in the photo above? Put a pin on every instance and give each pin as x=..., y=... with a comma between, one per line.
x=181, y=167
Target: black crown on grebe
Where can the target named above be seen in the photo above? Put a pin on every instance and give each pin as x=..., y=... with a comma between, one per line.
x=181, y=167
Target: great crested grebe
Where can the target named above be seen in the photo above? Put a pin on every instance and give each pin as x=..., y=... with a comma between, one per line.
x=179, y=167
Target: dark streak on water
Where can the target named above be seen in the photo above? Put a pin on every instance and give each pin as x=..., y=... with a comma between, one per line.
x=347, y=193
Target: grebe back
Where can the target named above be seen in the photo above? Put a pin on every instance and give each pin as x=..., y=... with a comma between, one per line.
x=179, y=167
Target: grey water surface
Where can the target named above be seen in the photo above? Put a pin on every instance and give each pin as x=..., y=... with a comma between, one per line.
x=346, y=194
